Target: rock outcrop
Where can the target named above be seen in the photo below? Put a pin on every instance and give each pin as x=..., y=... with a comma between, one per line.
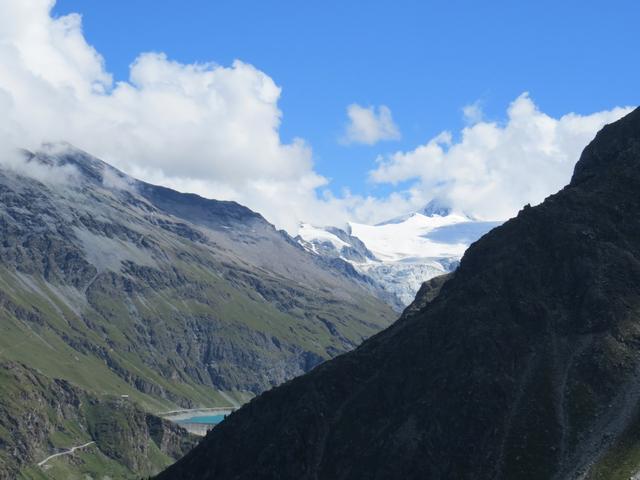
x=41, y=416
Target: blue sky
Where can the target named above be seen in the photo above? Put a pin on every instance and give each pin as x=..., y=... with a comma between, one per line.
x=334, y=111
x=424, y=60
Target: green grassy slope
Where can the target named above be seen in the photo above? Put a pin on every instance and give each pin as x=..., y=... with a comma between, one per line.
x=40, y=416
x=112, y=291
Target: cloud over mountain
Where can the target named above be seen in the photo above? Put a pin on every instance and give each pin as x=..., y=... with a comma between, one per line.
x=494, y=168
x=202, y=127
x=215, y=130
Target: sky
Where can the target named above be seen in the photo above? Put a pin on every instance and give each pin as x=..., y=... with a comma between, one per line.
x=329, y=111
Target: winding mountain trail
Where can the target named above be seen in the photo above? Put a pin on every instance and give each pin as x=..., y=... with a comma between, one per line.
x=88, y=285
x=66, y=452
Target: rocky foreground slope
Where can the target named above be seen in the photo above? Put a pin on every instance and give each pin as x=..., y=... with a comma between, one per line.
x=526, y=365
x=124, y=288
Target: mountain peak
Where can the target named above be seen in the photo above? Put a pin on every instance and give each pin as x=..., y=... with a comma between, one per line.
x=64, y=154
x=436, y=207
x=615, y=148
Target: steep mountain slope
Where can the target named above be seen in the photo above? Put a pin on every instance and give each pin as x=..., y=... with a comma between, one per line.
x=402, y=253
x=121, y=287
x=44, y=415
x=526, y=365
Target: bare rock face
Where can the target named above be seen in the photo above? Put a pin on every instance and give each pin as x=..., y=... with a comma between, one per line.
x=526, y=365
x=427, y=293
x=112, y=287
x=201, y=292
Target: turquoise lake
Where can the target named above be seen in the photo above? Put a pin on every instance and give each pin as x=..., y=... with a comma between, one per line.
x=208, y=419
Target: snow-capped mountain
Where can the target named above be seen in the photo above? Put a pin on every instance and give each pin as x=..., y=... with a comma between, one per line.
x=402, y=253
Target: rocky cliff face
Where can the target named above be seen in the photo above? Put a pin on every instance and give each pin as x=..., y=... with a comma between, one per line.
x=124, y=288
x=41, y=416
x=166, y=290
x=525, y=365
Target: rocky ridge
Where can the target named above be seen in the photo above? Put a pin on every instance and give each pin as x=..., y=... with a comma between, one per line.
x=525, y=365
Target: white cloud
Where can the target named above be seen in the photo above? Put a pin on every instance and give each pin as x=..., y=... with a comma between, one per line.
x=495, y=168
x=206, y=127
x=214, y=130
x=473, y=113
x=368, y=126
x=51, y=175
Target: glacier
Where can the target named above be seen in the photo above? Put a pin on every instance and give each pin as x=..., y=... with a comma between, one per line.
x=401, y=253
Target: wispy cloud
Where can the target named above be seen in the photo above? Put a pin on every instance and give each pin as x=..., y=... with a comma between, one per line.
x=473, y=113
x=369, y=125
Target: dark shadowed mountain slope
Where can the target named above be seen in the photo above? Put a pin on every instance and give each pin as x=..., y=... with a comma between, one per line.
x=122, y=288
x=524, y=366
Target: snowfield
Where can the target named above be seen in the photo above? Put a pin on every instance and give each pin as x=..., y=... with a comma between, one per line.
x=398, y=240
x=315, y=235
x=402, y=252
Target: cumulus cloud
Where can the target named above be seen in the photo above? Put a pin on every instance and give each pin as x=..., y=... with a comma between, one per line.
x=495, y=168
x=204, y=127
x=214, y=130
x=368, y=126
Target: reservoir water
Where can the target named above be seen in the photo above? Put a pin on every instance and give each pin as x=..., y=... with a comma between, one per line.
x=208, y=419
x=198, y=420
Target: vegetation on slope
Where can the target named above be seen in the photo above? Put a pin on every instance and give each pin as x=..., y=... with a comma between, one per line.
x=40, y=416
x=123, y=288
